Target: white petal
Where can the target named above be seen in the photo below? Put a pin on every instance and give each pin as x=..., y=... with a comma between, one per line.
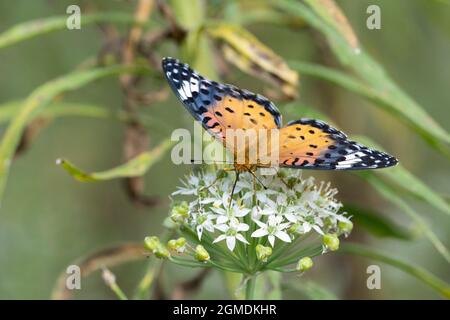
x=220, y=238
x=199, y=232
x=221, y=219
x=291, y=217
x=242, y=227
x=283, y=236
x=241, y=238
x=260, y=224
x=306, y=227
x=241, y=212
x=260, y=233
x=271, y=240
x=231, y=242
x=222, y=227
x=318, y=230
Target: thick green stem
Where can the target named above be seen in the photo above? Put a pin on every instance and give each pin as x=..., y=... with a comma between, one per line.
x=250, y=288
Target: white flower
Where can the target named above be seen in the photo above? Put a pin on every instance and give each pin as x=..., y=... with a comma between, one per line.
x=231, y=232
x=204, y=222
x=290, y=202
x=273, y=228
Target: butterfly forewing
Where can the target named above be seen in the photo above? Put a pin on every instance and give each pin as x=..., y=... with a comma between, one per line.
x=221, y=108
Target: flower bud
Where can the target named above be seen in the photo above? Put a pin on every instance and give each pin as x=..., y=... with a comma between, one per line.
x=151, y=243
x=161, y=252
x=294, y=228
x=304, y=264
x=178, y=245
x=345, y=227
x=180, y=212
x=331, y=241
x=262, y=252
x=201, y=254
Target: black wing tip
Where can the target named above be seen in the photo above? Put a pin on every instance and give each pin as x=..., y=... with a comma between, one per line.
x=168, y=60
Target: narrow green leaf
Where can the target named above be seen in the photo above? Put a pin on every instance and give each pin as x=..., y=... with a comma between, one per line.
x=416, y=271
x=31, y=29
x=60, y=109
x=404, y=179
x=311, y=290
x=133, y=168
x=39, y=99
x=376, y=224
x=391, y=195
x=371, y=75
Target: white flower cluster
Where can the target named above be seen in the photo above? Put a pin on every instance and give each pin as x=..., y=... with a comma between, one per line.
x=288, y=207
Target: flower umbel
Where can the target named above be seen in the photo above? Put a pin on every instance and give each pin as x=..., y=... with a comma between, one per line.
x=287, y=223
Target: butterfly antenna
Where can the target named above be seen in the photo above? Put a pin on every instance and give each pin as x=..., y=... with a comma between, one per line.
x=234, y=187
x=257, y=179
x=211, y=161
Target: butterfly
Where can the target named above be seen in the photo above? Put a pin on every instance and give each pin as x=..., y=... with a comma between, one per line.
x=302, y=144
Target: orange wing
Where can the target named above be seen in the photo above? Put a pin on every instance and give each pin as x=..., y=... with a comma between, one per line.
x=313, y=144
x=220, y=107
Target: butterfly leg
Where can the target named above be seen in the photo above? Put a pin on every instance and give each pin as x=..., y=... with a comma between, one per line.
x=219, y=175
x=234, y=187
x=257, y=179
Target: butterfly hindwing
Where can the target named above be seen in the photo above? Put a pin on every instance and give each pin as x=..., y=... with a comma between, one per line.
x=313, y=144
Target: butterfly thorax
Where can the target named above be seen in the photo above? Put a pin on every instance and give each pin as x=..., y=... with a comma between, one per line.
x=245, y=167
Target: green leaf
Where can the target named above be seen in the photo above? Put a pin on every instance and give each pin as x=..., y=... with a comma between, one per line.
x=376, y=224
x=416, y=271
x=133, y=168
x=70, y=109
x=311, y=290
x=31, y=29
x=390, y=193
x=39, y=99
x=372, y=82
x=329, y=11
x=402, y=178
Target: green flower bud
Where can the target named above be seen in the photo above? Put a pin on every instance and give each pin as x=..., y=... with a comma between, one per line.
x=151, y=243
x=331, y=241
x=181, y=242
x=177, y=245
x=180, y=212
x=172, y=244
x=345, y=226
x=293, y=229
x=201, y=254
x=161, y=252
x=262, y=252
x=304, y=264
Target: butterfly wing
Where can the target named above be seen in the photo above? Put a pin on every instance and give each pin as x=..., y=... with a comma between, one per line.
x=219, y=106
x=313, y=144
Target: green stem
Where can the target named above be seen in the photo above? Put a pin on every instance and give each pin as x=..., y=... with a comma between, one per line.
x=250, y=288
x=119, y=293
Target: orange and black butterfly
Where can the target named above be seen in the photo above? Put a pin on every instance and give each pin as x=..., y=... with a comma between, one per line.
x=303, y=144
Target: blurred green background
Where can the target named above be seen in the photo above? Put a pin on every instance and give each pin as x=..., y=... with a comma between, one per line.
x=48, y=219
